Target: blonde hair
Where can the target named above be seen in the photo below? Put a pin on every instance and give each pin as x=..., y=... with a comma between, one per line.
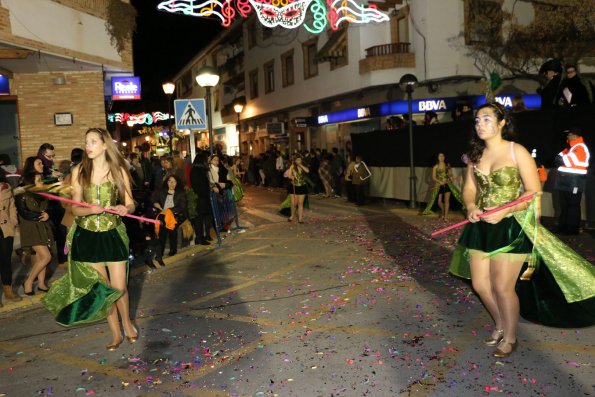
x=115, y=162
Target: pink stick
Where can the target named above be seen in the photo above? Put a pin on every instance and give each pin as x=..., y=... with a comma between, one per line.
x=81, y=204
x=456, y=225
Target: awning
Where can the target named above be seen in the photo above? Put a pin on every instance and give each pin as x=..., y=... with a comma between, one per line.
x=335, y=47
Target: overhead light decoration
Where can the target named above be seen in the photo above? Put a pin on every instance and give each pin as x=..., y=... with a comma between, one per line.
x=289, y=14
x=141, y=118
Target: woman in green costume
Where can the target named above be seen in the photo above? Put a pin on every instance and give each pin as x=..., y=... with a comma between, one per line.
x=297, y=191
x=498, y=172
x=95, y=286
x=558, y=287
x=442, y=175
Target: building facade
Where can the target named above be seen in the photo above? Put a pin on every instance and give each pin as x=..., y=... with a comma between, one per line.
x=57, y=57
x=305, y=90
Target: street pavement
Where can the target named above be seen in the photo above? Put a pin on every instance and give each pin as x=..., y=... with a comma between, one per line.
x=354, y=302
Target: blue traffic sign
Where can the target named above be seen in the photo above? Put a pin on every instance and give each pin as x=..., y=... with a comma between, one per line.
x=190, y=114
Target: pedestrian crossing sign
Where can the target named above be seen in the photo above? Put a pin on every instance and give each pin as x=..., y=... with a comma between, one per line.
x=190, y=114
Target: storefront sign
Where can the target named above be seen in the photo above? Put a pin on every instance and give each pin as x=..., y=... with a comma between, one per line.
x=532, y=101
x=125, y=88
x=4, y=86
x=275, y=128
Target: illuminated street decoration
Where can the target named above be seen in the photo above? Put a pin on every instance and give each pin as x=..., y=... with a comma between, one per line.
x=288, y=14
x=141, y=118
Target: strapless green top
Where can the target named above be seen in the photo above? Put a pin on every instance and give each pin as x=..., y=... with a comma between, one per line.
x=498, y=187
x=442, y=174
x=104, y=195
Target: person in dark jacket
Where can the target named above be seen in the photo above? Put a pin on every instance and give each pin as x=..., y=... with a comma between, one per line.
x=173, y=197
x=573, y=90
x=550, y=93
x=36, y=227
x=199, y=181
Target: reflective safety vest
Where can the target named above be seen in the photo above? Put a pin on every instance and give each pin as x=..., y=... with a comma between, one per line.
x=576, y=159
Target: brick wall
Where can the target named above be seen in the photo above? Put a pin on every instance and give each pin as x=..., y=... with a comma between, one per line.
x=39, y=98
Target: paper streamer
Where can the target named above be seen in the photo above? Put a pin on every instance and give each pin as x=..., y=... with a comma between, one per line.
x=81, y=204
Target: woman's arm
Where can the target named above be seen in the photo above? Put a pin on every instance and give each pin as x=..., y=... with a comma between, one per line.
x=434, y=168
x=306, y=169
x=529, y=176
x=469, y=194
x=128, y=207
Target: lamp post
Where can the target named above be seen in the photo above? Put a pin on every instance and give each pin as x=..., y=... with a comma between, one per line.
x=130, y=124
x=207, y=77
x=238, y=106
x=407, y=84
x=168, y=89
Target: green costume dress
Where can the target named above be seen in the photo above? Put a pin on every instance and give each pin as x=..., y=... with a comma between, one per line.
x=561, y=290
x=442, y=175
x=298, y=186
x=82, y=295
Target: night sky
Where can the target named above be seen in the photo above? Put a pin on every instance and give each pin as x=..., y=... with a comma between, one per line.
x=162, y=45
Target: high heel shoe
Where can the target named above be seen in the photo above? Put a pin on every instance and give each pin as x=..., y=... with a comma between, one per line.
x=160, y=261
x=491, y=341
x=499, y=353
x=132, y=339
x=113, y=346
x=43, y=289
x=28, y=293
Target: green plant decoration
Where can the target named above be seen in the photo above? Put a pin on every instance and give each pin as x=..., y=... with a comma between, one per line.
x=120, y=23
x=192, y=201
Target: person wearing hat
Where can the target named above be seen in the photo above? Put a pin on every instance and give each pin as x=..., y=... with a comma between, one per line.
x=550, y=93
x=571, y=181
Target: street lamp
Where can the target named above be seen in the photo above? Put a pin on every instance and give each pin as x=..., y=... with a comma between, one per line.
x=130, y=124
x=207, y=77
x=407, y=84
x=168, y=89
x=238, y=106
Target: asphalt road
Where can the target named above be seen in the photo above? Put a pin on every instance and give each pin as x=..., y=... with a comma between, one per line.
x=354, y=302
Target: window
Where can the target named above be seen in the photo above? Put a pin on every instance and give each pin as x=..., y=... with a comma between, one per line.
x=253, y=78
x=269, y=76
x=399, y=26
x=287, y=68
x=310, y=49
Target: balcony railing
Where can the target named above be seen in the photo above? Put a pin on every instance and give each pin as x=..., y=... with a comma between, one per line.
x=387, y=49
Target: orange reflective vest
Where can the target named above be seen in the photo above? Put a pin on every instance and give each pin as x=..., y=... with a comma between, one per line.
x=576, y=159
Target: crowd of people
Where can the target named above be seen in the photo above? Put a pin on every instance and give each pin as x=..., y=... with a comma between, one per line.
x=171, y=189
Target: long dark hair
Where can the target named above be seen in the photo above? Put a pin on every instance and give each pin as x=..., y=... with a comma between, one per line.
x=476, y=144
x=115, y=161
x=201, y=160
x=29, y=172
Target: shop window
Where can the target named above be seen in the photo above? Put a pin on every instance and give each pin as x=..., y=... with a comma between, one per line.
x=287, y=68
x=269, y=76
x=253, y=78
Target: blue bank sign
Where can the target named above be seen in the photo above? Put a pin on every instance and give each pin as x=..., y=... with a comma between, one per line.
x=4, y=86
x=419, y=106
x=125, y=88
